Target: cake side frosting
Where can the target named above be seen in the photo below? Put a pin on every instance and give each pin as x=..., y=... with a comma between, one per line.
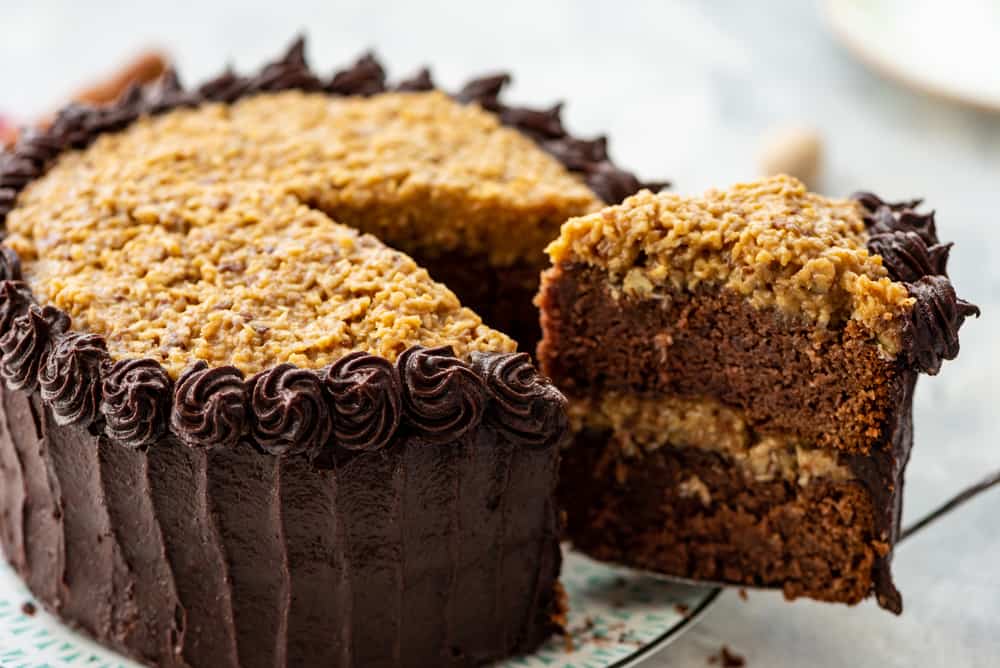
x=781, y=247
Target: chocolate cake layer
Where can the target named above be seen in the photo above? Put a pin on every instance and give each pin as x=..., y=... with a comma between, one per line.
x=181, y=556
x=502, y=296
x=691, y=513
x=829, y=388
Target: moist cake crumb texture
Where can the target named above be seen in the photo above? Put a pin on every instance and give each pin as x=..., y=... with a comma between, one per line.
x=207, y=233
x=771, y=241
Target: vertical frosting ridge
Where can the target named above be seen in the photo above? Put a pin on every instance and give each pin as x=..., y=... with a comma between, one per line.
x=89, y=561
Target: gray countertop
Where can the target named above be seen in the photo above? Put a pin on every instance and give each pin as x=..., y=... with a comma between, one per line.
x=686, y=90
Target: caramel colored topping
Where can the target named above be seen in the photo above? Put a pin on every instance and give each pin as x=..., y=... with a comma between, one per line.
x=417, y=170
x=177, y=269
x=771, y=241
x=641, y=425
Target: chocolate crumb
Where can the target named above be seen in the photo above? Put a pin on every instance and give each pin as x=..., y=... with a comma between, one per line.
x=743, y=594
x=29, y=608
x=682, y=609
x=727, y=659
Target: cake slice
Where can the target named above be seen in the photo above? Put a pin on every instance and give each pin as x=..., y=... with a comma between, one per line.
x=236, y=432
x=740, y=368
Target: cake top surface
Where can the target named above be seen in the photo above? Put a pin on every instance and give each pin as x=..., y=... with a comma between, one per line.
x=417, y=169
x=174, y=267
x=769, y=240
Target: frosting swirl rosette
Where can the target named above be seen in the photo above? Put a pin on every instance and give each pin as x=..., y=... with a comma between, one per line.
x=16, y=172
x=365, y=77
x=210, y=406
x=70, y=378
x=15, y=298
x=288, y=72
x=289, y=413
x=937, y=316
x=26, y=343
x=908, y=243
x=226, y=87
x=366, y=401
x=443, y=398
x=135, y=402
x=523, y=403
x=10, y=264
x=907, y=257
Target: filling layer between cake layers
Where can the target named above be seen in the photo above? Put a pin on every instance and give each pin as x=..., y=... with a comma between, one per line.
x=740, y=389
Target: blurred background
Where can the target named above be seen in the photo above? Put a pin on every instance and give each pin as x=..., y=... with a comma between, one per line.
x=898, y=97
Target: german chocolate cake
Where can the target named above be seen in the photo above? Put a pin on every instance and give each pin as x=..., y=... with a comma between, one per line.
x=239, y=431
x=740, y=368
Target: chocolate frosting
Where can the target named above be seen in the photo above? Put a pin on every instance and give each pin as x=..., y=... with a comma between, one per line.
x=226, y=87
x=70, y=378
x=10, y=264
x=15, y=298
x=289, y=71
x=366, y=78
x=911, y=252
x=135, y=402
x=289, y=412
x=16, y=171
x=210, y=406
x=908, y=257
x=936, y=318
x=523, y=404
x=178, y=556
x=27, y=342
x=586, y=157
x=419, y=82
x=443, y=397
x=366, y=399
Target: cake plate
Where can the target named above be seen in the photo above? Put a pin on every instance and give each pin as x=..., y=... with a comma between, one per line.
x=618, y=617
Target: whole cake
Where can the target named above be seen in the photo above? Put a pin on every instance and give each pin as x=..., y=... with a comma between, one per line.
x=237, y=432
x=740, y=369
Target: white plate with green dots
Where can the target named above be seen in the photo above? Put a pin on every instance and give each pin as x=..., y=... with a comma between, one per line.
x=617, y=618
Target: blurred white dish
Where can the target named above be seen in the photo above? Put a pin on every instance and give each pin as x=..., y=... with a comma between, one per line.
x=947, y=48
